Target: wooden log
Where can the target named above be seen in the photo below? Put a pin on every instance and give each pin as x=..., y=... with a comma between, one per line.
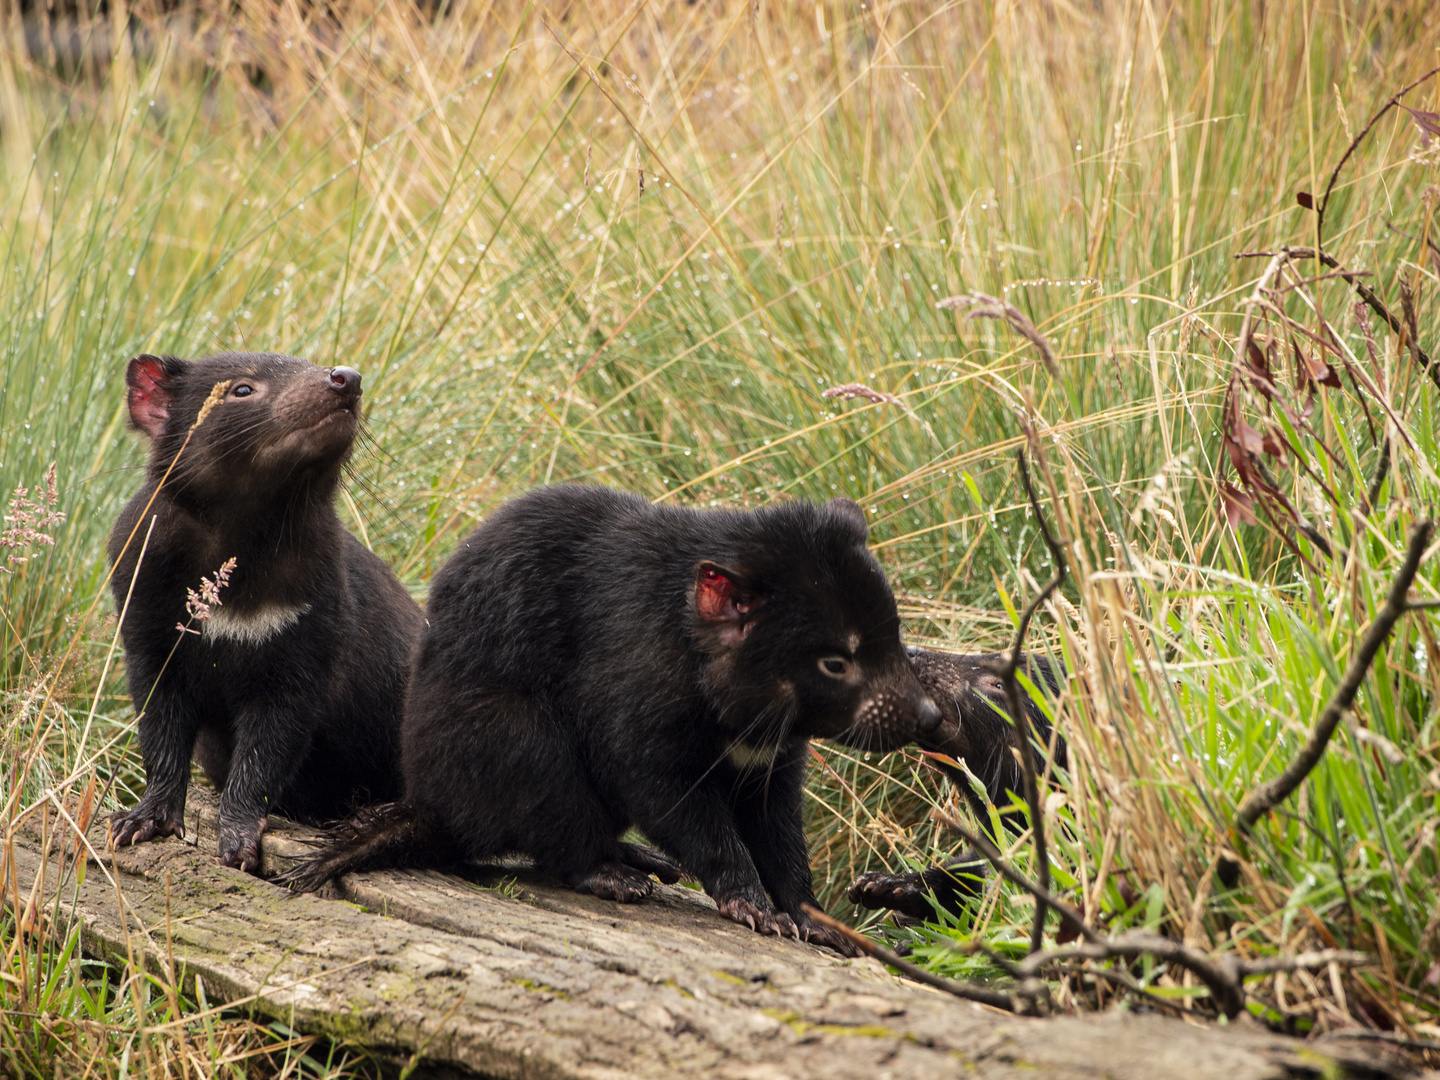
x=504, y=975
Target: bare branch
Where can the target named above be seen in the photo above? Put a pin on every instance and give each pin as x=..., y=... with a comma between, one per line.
x=1373, y=301
x=1129, y=982
x=1271, y=794
x=993, y=998
x=1382, y=1036
x=1219, y=977
x=1310, y=961
x=1223, y=977
x=1043, y=897
x=1019, y=716
x=1324, y=203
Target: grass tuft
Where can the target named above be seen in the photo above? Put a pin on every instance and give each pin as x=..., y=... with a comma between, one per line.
x=637, y=245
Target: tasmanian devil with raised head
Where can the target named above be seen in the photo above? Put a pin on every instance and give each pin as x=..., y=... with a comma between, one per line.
x=289, y=692
x=976, y=729
x=594, y=662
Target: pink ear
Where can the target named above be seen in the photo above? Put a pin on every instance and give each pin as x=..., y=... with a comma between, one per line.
x=724, y=600
x=149, y=380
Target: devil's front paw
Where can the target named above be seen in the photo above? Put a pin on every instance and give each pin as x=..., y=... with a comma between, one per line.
x=756, y=913
x=240, y=844
x=807, y=929
x=905, y=893
x=614, y=881
x=145, y=822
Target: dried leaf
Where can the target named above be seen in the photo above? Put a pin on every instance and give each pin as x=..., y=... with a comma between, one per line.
x=87, y=805
x=1252, y=441
x=1236, y=505
x=1315, y=369
x=1261, y=377
x=1427, y=122
x=1069, y=929
x=1307, y=410
x=1274, y=445
x=1305, y=199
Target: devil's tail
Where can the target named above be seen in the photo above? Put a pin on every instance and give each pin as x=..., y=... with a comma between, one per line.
x=388, y=836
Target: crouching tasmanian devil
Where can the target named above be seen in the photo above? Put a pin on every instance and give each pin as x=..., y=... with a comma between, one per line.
x=594, y=662
x=968, y=694
x=286, y=675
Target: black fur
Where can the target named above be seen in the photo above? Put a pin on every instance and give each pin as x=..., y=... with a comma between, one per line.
x=594, y=662
x=968, y=695
x=290, y=694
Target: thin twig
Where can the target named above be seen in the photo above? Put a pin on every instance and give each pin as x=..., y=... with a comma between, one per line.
x=1309, y=961
x=1224, y=977
x=1324, y=203
x=992, y=998
x=1019, y=716
x=1375, y=304
x=1043, y=897
x=1382, y=1036
x=1129, y=982
x=1219, y=977
x=1271, y=794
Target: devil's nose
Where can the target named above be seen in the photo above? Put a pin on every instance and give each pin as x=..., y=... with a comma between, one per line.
x=928, y=716
x=346, y=381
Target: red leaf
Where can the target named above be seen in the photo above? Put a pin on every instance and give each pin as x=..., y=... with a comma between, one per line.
x=1427, y=122
x=1314, y=368
x=1261, y=376
x=1242, y=442
x=1305, y=199
x=1274, y=446
x=1248, y=437
x=1068, y=931
x=1308, y=409
x=1240, y=460
x=1236, y=505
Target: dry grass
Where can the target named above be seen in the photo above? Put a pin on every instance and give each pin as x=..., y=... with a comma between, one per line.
x=454, y=205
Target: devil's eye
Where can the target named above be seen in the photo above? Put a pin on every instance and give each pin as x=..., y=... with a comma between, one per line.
x=241, y=390
x=834, y=666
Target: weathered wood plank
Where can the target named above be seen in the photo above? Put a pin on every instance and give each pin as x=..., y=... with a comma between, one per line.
x=507, y=976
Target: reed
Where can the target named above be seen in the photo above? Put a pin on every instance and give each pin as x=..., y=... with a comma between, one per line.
x=635, y=243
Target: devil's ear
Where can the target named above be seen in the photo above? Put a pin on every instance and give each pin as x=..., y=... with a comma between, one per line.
x=151, y=380
x=725, y=601
x=849, y=512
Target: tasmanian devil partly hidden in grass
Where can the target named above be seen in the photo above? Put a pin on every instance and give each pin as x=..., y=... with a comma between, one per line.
x=260, y=636
x=594, y=662
x=977, y=728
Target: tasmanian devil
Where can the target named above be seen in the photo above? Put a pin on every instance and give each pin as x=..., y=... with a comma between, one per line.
x=975, y=727
x=289, y=692
x=594, y=662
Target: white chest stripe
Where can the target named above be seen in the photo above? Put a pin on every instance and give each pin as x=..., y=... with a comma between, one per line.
x=253, y=627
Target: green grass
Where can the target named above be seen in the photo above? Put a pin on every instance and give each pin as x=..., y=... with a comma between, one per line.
x=453, y=206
